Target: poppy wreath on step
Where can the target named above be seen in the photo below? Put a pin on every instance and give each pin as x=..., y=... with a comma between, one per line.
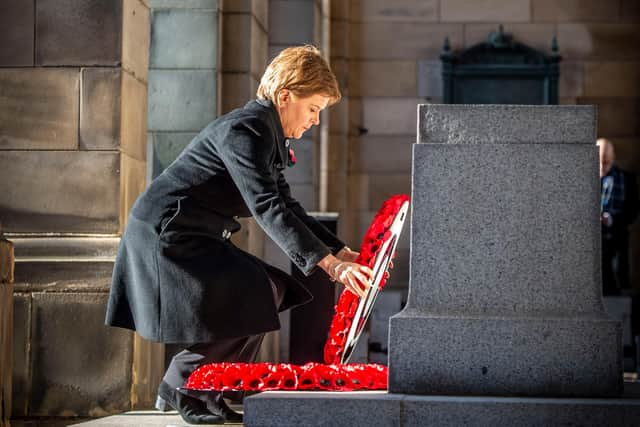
x=332, y=375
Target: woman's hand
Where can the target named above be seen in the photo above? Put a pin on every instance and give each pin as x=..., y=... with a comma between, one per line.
x=346, y=254
x=355, y=277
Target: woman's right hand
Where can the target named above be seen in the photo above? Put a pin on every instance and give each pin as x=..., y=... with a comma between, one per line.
x=355, y=277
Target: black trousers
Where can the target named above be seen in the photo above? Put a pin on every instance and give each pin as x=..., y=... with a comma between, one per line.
x=236, y=349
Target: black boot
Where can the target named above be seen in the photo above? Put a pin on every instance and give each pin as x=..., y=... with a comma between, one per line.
x=219, y=407
x=192, y=410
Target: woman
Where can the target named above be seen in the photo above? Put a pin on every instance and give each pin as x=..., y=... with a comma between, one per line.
x=179, y=279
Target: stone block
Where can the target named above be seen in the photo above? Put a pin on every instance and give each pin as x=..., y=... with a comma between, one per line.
x=499, y=124
x=136, y=39
x=339, y=118
x=282, y=13
x=574, y=10
x=521, y=412
x=6, y=328
x=100, y=109
x=260, y=10
x=259, y=49
x=39, y=109
x=571, y=82
x=379, y=40
x=340, y=10
x=380, y=154
x=41, y=200
x=616, y=116
x=312, y=408
x=389, y=116
x=236, y=42
x=166, y=146
x=337, y=154
x=78, y=371
x=132, y=184
x=430, y=79
x=184, y=38
x=133, y=118
x=597, y=41
x=502, y=356
x=302, y=172
x=21, y=354
x=16, y=32
x=236, y=6
x=403, y=10
x=181, y=100
x=609, y=79
x=520, y=256
x=485, y=11
x=237, y=89
x=382, y=78
x=340, y=40
x=187, y=4
x=538, y=35
x=78, y=32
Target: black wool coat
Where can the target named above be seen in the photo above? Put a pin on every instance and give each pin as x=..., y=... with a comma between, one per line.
x=177, y=277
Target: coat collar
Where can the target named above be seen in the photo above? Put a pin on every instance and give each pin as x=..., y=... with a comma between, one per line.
x=282, y=142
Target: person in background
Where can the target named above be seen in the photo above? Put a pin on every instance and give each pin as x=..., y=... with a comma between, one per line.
x=178, y=278
x=618, y=209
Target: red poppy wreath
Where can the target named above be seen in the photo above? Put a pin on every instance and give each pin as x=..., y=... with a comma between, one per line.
x=333, y=375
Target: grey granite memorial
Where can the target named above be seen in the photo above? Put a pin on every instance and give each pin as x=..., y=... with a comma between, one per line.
x=504, y=320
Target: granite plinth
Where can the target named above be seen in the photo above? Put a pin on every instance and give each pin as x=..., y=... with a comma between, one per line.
x=385, y=409
x=498, y=124
x=509, y=356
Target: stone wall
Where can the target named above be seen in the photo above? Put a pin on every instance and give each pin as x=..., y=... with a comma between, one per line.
x=73, y=85
x=389, y=62
x=6, y=327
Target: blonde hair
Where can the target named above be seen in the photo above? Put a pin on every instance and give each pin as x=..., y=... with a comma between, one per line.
x=303, y=71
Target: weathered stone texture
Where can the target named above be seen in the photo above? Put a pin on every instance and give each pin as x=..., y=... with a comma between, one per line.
x=382, y=78
x=181, y=100
x=100, y=109
x=536, y=35
x=40, y=201
x=379, y=40
x=188, y=4
x=135, y=38
x=599, y=41
x=574, y=10
x=237, y=89
x=389, y=116
x=468, y=124
x=277, y=408
x=485, y=11
x=403, y=10
x=78, y=370
x=246, y=43
x=609, y=79
x=616, y=116
x=39, y=108
x=78, y=32
x=282, y=14
x=133, y=119
x=184, y=38
x=16, y=33
x=340, y=38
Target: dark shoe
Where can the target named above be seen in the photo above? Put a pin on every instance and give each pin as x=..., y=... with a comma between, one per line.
x=219, y=407
x=192, y=410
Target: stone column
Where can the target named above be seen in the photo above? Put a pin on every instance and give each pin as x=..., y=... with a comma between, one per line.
x=505, y=294
x=6, y=327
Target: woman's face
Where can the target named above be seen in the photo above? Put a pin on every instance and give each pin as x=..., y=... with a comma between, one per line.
x=299, y=114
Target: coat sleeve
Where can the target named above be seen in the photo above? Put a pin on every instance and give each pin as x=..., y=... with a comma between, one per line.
x=248, y=154
x=327, y=237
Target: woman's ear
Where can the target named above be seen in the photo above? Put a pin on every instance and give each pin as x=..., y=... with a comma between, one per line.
x=284, y=96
